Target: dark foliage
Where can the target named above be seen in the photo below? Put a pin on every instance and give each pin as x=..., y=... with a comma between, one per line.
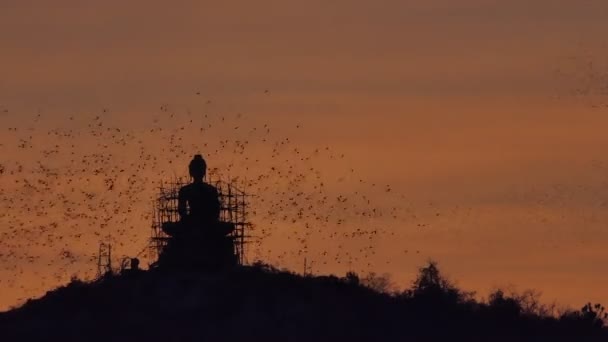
x=263, y=303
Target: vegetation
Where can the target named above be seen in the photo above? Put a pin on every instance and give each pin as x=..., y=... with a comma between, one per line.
x=261, y=302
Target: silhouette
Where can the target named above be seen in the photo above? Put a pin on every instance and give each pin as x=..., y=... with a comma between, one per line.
x=199, y=238
x=260, y=303
x=198, y=203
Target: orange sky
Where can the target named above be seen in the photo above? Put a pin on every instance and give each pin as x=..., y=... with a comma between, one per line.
x=486, y=118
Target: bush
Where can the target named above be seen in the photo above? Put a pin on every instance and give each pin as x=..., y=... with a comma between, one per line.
x=379, y=283
x=589, y=316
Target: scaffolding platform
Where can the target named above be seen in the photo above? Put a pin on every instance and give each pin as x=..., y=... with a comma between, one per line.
x=233, y=210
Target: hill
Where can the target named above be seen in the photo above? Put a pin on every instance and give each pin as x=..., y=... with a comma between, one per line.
x=262, y=303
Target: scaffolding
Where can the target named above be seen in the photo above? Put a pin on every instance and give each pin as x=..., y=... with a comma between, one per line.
x=104, y=259
x=233, y=209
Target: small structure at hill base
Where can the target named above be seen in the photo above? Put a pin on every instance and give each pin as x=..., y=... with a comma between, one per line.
x=199, y=225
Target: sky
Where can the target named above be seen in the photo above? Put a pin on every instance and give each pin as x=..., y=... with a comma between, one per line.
x=477, y=129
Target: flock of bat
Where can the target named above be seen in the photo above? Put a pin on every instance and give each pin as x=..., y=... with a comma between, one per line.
x=586, y=79
x=69, y=183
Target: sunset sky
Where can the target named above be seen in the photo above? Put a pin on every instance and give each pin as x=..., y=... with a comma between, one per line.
x=477, y=127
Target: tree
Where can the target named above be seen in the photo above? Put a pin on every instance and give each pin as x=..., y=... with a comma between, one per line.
x=380, y=283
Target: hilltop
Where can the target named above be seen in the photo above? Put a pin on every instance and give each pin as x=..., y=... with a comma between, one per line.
x=262, y=303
